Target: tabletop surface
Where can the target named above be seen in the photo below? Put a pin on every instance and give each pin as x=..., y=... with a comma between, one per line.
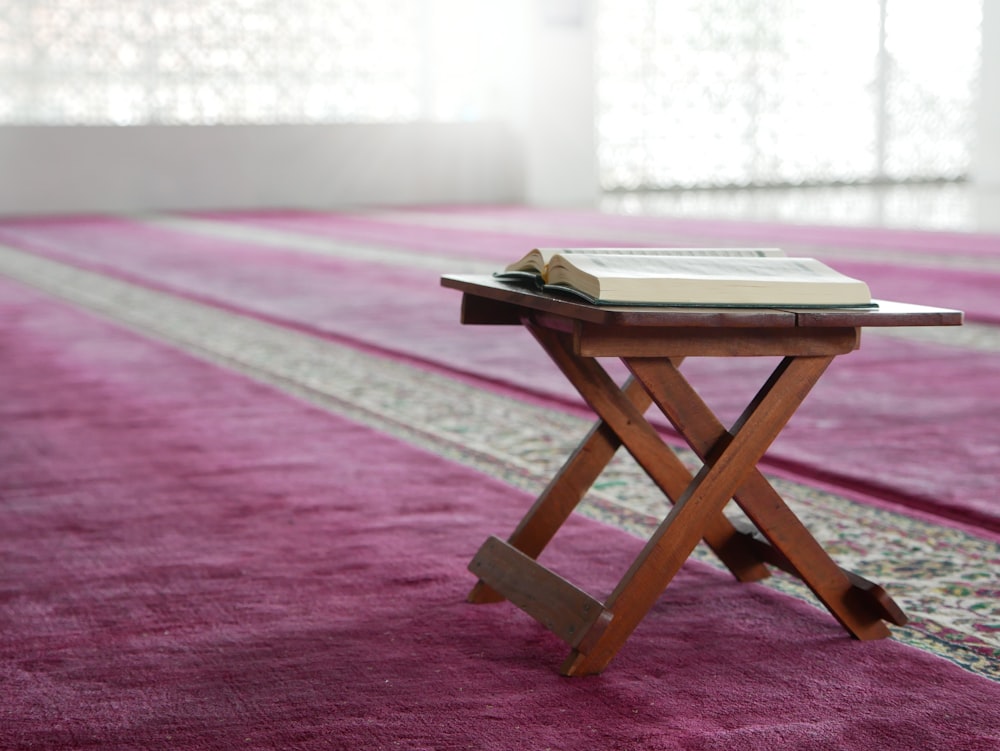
x=887, y=313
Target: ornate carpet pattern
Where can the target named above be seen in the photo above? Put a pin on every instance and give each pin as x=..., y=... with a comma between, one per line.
x=943, y=576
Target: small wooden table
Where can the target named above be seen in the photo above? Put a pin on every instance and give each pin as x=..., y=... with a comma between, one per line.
x=652, y=342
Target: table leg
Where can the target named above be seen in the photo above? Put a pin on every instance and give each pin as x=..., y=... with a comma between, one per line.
x=661, y=464
x=565, y=491
x=857, y=604
x=733, y=458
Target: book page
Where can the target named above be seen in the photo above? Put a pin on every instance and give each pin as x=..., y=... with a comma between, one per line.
x=702, y=267
x=547, y=253
x=536, y=261
x=710, y=252
x=703, y=279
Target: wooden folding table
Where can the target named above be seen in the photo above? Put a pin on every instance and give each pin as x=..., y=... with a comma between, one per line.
x=651, y=342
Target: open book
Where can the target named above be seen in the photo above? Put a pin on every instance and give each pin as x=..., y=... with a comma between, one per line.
x=741, y=277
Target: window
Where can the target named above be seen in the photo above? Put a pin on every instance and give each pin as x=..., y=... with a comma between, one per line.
x=129, y=62
x=784, y=92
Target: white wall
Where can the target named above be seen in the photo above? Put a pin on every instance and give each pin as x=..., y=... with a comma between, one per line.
x=48, y=169
x=555, y=117
x=986, y=157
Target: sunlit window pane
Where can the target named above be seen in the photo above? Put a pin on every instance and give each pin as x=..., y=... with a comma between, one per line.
x=934, y=53
x=749, y=92
x=186, y=61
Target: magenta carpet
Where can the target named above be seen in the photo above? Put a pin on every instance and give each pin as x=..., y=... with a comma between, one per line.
x=922, y=279
x=192, y=560
x=899, y=422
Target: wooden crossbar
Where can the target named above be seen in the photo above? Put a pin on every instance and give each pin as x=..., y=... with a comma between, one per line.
x=564, y=609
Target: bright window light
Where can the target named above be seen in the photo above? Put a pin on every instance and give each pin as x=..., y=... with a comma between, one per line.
x=784, y=92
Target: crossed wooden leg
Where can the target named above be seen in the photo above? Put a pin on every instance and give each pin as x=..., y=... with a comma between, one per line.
x=859, y=606
x=596, y=630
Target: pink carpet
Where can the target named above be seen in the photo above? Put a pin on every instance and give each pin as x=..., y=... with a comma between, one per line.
x=898, y=422
x=926, y=281
x=194, y=561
